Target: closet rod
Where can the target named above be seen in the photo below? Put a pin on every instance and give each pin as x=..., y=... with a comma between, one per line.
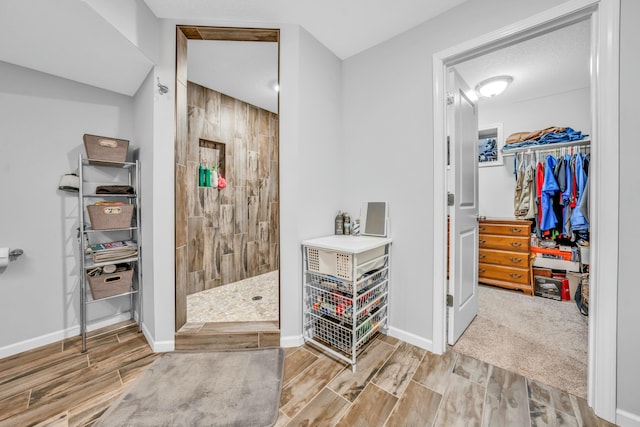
x=546, y=147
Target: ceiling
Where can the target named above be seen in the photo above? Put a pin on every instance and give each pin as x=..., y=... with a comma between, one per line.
x=45, y=38
x=552, y=63
x=68, y=39
x=344, y=27
x=246, y=71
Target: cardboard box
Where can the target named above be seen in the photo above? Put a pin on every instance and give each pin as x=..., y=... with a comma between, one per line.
x=556, y=264
x=585, y=254
x=575, y=280
x=542, y=272
x=548, y=287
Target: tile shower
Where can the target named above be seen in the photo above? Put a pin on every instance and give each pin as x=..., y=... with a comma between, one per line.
x=230, y=236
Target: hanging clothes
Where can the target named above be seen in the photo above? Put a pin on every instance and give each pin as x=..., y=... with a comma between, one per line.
x=566, y=198
x=554, y=192
x=525, y=194
x=549, y=188
x=518, y=203
x=578, y=220
x=584, y=201
x=539, y=183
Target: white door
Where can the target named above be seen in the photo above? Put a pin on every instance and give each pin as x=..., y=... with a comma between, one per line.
x=462, y=123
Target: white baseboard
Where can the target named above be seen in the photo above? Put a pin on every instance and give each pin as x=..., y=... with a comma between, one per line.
x=411, y=338
x=52, y=337
x=627, y=419
x=158, y=346
x=293, y=341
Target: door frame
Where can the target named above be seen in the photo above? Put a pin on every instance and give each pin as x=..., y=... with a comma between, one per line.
x=605, y=30
x=212, y=33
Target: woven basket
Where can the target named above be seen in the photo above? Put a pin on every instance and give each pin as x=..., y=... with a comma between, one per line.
x=103, y=149
x=104, y=217
x=108, y=285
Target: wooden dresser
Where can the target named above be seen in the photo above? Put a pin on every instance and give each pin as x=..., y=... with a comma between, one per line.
x=503, y=256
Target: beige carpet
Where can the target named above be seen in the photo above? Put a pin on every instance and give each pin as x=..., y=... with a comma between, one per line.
x=539, y=338
x=231, y=389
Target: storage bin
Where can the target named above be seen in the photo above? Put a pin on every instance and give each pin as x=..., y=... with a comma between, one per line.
x=105, y=217
x=105, y=149
x=340, y=334
x=585, y=291
x=108, y=285
x=340, y=264
x=548, y=287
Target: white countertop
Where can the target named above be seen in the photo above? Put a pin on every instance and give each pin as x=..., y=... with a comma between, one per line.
x=350, y=244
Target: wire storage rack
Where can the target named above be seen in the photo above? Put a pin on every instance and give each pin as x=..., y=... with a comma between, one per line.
x=342, y=314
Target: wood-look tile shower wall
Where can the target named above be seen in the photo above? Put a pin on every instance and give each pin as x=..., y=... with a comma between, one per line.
x=229, y=234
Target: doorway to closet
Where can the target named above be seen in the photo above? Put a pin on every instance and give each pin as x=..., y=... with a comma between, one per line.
x=605, y=96
x=542, y=339
x=604, y=15
x=227, y=182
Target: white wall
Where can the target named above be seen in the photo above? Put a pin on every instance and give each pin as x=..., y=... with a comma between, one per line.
x=312, y=185
x=134, y=20
x=42, y=121
x=497, y=183
x=309, y=131
x=388, y=127
x=628, y=288
x=143, y=132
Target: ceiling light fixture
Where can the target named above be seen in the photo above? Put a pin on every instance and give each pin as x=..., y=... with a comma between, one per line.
x=493, y=86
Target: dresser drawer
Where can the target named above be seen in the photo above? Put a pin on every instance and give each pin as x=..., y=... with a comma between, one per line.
x=504, y=229
x=507, y=243
x=501, y=272
x=508, y=258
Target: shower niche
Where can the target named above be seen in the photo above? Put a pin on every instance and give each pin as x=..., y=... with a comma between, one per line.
x=211, y=154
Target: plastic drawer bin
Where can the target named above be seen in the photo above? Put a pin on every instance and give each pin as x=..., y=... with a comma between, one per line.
x=340, y=264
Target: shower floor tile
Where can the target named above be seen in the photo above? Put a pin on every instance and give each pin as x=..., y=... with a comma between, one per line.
x=234, y=302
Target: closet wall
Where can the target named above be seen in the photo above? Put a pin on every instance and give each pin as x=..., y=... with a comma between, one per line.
x=564, y=109
x=232, y=233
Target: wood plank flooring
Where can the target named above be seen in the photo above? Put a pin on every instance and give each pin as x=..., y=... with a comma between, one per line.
x=57, y=385
x=398, y=384
x=395, y=384
x=204, y=336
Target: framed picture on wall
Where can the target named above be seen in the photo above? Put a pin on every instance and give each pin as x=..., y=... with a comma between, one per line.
x=490, y=143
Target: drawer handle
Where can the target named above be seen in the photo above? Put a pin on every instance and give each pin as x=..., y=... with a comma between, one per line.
x=515, y=230
x=482, y=256
x=515, y=275
x=515, y=260
x=482, y=242
x=480, y=228
x=481, y=270
x=516, y=244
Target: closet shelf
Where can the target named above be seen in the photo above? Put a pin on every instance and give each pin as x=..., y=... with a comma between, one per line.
x=546, y=147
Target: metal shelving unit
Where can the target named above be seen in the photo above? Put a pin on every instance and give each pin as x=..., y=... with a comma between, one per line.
x=345, y=292
x=88, y=235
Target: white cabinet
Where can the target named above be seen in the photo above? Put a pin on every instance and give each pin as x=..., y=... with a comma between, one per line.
x=112, y=274
x=345, y=292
